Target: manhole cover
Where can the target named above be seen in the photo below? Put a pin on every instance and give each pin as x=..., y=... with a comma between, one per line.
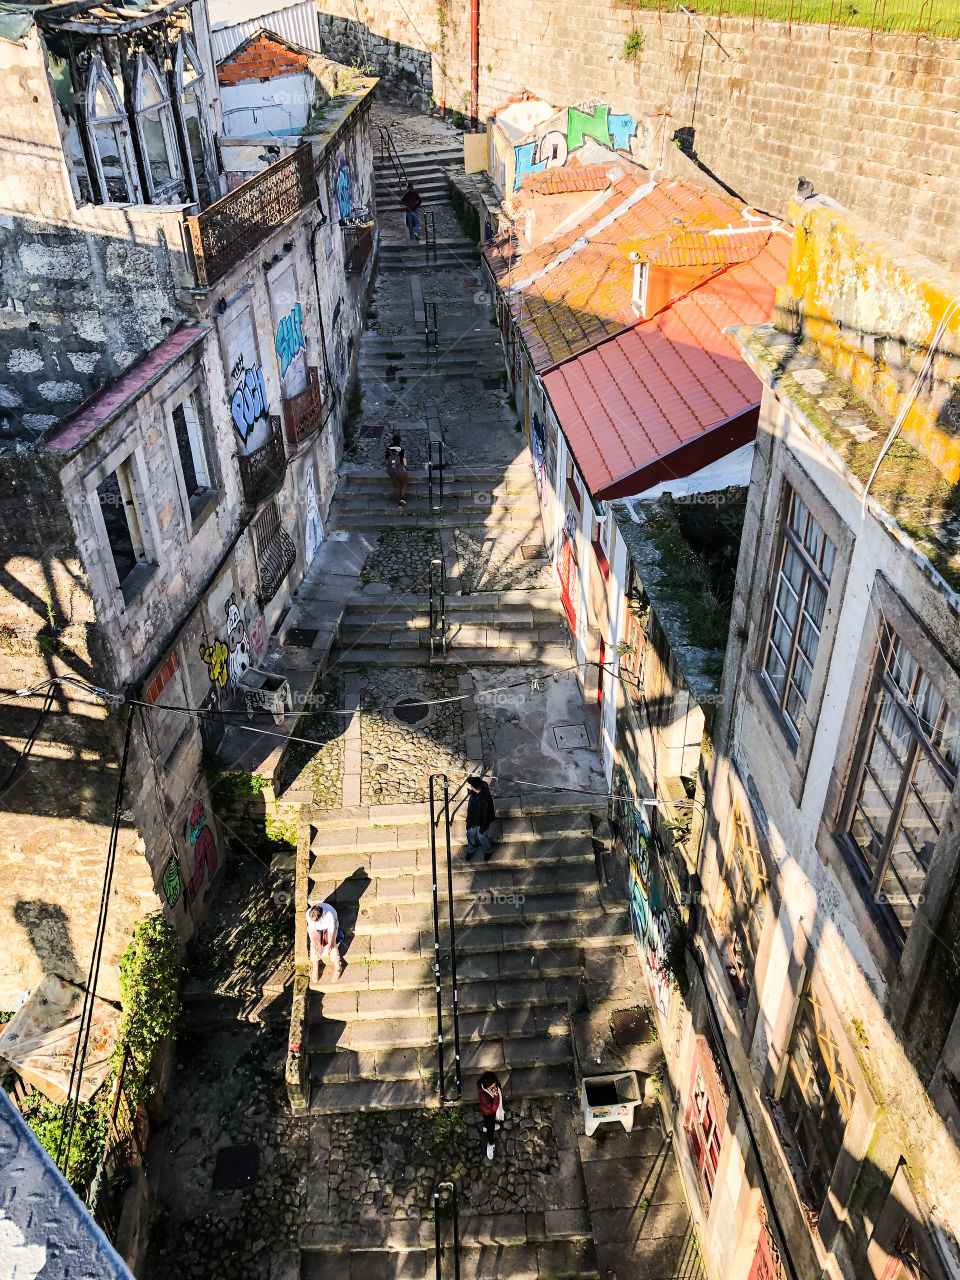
x=533, y=552
x=630, y=1026
x=301, y=637
x=411, y=711
x=571, y=736
x=490, y=384
x=236, y=1167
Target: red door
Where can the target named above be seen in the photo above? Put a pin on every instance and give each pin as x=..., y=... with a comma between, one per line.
x=567, y=572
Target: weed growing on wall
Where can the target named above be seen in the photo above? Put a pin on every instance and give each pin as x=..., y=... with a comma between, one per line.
x=46, y=1118
x=632, y=46
x=150, y=971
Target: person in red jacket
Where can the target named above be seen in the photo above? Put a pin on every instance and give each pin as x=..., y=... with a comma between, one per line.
x=490, y=1096
x=411, y=201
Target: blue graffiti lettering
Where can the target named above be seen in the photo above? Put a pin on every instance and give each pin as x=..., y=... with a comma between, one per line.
x=526, y=163
x=344, y=190
x=289, y=340
x=249, y=401
x=622, y=128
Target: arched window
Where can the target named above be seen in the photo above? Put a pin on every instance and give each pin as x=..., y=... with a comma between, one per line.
x=109, y=131
x=155, y=123
x=193, y=108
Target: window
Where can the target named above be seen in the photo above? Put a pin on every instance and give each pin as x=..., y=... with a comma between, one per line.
x=110, y=138
x=633, y=655
x=640, y=273
x=193, y=110
x=573, y=486
x=276, y=554
x=743, y=903
x=188, y=432
x=904, y=782
x=817, y=1097
x=704, y=1131
x=155, y=125
x=122, y=519
x=805, y=566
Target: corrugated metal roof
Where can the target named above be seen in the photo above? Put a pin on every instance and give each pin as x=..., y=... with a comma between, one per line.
x=297, y=23
x=641, y=406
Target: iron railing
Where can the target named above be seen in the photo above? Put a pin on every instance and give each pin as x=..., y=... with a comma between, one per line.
x=276, y=554
x=429, y=234
x=123, y=1148
x=934, y=19
x=436, y=815
x=449, y=1191
x=438, y=608
x=388, y=151
x=431, y=334
x=231, y=227
x=435, y=476
x=357, y=245
x=262, y=471
x=307, y=410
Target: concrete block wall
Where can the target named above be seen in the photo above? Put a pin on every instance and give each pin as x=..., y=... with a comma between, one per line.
x=870, y=121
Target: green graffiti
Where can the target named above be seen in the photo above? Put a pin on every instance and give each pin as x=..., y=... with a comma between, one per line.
x=580, y=125
x=171, y=882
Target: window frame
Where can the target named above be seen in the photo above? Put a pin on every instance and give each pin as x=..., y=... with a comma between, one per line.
x=130, y=466
x=881, y=685
x=186, y=51
x=787, y=538
x=98, y=75
x=733, y=911
x=191, y=391
x=172, y=191
x=705, y=1141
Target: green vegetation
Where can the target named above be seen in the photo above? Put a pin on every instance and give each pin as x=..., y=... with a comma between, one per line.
x=632, y=46
x=897, y=15
x=89, y=1132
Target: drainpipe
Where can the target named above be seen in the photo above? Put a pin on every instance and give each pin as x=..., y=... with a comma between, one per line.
x=474, y=61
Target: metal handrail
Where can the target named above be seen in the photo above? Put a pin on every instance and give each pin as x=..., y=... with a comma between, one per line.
x=429, y=235
x=435, y=817
x=435, y=468
x=431, y=335
x=389, y=151
x=451, y=1189
x=438, y=609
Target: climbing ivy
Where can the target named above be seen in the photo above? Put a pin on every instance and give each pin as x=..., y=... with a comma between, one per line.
x=150, y=971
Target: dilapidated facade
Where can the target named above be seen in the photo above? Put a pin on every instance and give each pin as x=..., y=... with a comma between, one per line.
x=180, y=337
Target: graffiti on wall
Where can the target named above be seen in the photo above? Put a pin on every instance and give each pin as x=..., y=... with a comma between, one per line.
x=238, y=648
x=313, y=534
x=216, y=656
x=249, y=404
x=614, y=130
x=257, y=641
x=651, y=924
x=170, y=881
x=538, y=447
x=344, y=189
x=289, y=337
x=201, y=837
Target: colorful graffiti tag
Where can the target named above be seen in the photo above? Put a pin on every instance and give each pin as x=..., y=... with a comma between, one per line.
x=204, y=848
x=239, y=653
x=249, y=402
x=217, y=657
x=651, y=924
x=257, y=640
x=538, y=447
x=611, y=129
x=313, y=534
x=289, y=338
x=344, y=189
x=170, y=881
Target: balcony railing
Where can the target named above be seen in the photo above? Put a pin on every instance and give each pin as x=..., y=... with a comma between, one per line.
x=306, y=411
x=227, y=231
x=262, y=471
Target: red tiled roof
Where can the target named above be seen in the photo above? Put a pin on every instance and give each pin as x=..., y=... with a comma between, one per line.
x=672, y=393
x=571, y=177
x=106, y=404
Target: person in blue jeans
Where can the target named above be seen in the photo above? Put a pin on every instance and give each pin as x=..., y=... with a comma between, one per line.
x=411, y=202
x=480, y=814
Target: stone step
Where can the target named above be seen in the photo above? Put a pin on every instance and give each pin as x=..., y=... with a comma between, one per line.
x=349, y=500
x=407, y=975
x=417, y=1060
x=471, y=880
x=480, y=1259
x=550, y=655
x=557, y=807
x=545, y=821
x=391, y=517
x=390, y=637
x=460, y=615
x=364, y=1020
x=385, y=1095
x=556, y=902
x=539, y=600
x=516, y=862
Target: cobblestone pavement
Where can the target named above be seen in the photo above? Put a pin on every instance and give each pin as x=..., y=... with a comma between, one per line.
x=397, y=759
x=319, y=769
x=401, y=560
x=497, y=563
x=411, y=129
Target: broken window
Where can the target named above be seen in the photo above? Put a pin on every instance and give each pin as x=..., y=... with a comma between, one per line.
x=805, y=566
x=122, y=520
x=706, y=1137
x=192, y=449
x=193, y=110
x=909, y=766
x=743, y=904
x=110, y=138
x=157, y=136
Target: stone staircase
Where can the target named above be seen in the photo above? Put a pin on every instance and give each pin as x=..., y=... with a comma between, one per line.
x=365, y=501
x=425, y=169
x=530, y=1259
x=525, y=923
x=474, y=353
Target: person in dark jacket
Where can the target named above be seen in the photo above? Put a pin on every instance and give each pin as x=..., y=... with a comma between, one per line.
x=480, y=813
x=490, y=1097
x=411, y=201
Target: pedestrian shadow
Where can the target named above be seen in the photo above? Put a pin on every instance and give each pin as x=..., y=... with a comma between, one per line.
x=346, y=900
x=49, y=933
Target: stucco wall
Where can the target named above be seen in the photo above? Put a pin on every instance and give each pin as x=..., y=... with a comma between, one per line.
x=871, y=122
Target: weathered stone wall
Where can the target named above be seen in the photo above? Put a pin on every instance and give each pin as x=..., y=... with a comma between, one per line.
x=871, y=122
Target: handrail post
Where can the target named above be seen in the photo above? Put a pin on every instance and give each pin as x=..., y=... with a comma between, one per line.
x=438, y=612
x=451, y=1188
x=453, y=942
x=436, y=935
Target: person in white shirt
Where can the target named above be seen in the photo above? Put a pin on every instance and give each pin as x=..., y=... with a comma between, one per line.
x=323, y=928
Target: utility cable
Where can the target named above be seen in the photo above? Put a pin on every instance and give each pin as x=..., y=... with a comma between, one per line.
x=28, y=746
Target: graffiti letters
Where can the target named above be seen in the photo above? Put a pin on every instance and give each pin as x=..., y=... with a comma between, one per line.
x=344, y=190
x=249, y=401
x=313, y=534
x=238, y=653
x=170, y=882
x=611, y=129
x=216, y=657
x=538, y=449
x=204, y=848
x=257, y=642
x=289, y=339
x=651, y=924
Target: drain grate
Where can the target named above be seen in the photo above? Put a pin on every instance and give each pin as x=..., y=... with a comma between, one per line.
x=411, y=711
x=236, y=1167
x=533, y=552
x=630, y=1026
x=302, y=637
x=571, y=736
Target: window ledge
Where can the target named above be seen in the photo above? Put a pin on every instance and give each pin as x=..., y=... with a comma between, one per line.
x=202, y=505
x=135, y=582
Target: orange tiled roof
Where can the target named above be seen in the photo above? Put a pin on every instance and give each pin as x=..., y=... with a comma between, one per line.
x=571, y=177
x=573, y=292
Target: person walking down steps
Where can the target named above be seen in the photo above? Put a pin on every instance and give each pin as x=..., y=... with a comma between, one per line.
x=480, y=814
x=411, y=202
x=396, y=463
x=323, y=935
x=490, y=1097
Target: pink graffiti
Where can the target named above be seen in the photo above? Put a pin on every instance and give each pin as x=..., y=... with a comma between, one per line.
x=256, y=637
x=204, y=848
